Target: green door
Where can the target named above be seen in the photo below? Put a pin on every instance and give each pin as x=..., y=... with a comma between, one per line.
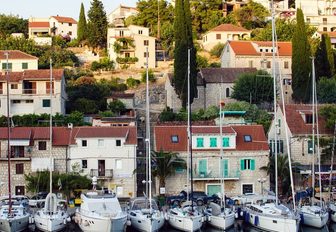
x=213, y=189
x=225, y=167
x=202, y=167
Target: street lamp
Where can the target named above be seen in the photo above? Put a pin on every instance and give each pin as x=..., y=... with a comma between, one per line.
x=262, y=181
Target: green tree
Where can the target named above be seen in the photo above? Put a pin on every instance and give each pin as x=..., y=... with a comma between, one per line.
x=97, y=25
x=151, y=76
x=12, y=24
x=116, y=106
x=132, y=83
x=183, y=42
x=82, y=27
x=326, y=90
x=217, y=50
x=324, y=58
x=254, y=88
x=284, y=28
x=328, y=112
x=201, y=61
x=301, y=63
x=164, y=164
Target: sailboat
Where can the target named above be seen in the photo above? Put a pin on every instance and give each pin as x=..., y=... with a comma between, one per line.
x=13, y=214
x=218, y=215
x=265, y=213
x=144, y=214
x=51, y=218
x=186, y=217
x=314, y=215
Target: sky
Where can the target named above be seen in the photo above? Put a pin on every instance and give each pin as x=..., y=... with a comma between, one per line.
x=46, y=8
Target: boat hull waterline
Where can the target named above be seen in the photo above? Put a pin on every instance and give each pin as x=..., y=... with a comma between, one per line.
x=101, y=224
x=14, y=224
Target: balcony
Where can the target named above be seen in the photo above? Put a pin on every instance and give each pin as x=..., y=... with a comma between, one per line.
x=21, y=156
x=104, y=173
x=29, y=91
x=232, y=175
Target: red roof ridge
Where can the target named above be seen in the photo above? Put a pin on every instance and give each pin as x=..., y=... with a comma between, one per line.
x=228, y=27
x=18, y=51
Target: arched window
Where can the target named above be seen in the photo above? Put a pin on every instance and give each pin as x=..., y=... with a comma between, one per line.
x=227, y=92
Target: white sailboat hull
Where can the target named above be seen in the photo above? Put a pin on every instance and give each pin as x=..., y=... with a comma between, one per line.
x=50, y=223
x=185, y=223
x=101, y=224
x=333, y=216
x=14, y=224
x=147, y=224
x=222, y=221
x=274, y=224
x=317, y=220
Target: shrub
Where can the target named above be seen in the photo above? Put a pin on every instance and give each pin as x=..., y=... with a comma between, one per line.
x=131, y=82
x=151, y=76
x=217, y=50
x=201, y=62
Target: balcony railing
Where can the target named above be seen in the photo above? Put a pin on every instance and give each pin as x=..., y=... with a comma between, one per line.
x=15, y=156
x=36, y=91
x=29, y=91
x=105, y=173
x=232, y=175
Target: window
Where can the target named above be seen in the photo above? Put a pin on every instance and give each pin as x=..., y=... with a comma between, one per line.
x=24, y=65
x=146, y=54
x=121, y=33
x=127, y=54
x=19, y=169
x=250, y=63
x=247, y=188
x=29, y=101
x=46, y=102
x=70, y=33
x=140, y=32
x=202, y=167
x=325, y=29
x=118, y=164
x=84, y=143
x=309, y=118
x=308, y=20
x=4, y=66
x=14, y=86
x=213, y=142
x=174, y=139
x=100, y=142
x=225, y=167
x=200, y=142
x=146, y=42
x=227, y=92
x=268, y=64
x=218, y=36
x=247, y=138
x=70, y=24
x=17, y=151
x=247, y=164
x=118, y=142
x=266, y=50
x=16, y=101
x=42, y=145
x=84, y=163
x=286, y=66
x=325, y=20
x=48, y=87
x=280, y=146
x=226, y=142
x=310, y=147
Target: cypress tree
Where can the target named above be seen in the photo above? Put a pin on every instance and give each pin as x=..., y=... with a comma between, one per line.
x=81, y=29
x=183, y=42
x=323, y=68
x=330, y=54
x=301, y=62
x=97, y=25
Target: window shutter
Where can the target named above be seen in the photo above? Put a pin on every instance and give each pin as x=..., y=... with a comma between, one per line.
x=310, y=146
x=199, y=142
x=226, y=142
x=225, y=166
x=213, y=142
x=242, y=165
x=202, y=167
x=252, y=164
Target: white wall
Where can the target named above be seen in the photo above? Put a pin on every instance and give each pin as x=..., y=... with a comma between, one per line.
x=64, y=28
x=17, y=64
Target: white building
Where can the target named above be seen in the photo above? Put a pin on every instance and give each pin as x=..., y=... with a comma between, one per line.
x=118, y=15
x=109, y=153
x=30, y=92
x=258, y=54
x=64, y=26
x=223, y=33
x=132, y=43
x=17, y=61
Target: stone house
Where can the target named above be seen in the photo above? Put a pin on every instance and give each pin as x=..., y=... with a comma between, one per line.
x=245, y=151
x=17, y=61
x=109, y=153
x=30, y=92
x=223, y=33
x=209, y=82
x=133, y=42
x=299, y=127
x=118, y=15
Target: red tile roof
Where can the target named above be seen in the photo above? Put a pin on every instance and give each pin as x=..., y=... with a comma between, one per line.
x=250, y=48
x=163, y=134
x=38, y=24
x=41, y=74
x=295, y=120
x=16, y=133
x=229, y=27
x=332, y=34
x=16, y=55
x=62, y=19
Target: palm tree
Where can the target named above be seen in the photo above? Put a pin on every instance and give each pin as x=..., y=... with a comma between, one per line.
x=164, y=164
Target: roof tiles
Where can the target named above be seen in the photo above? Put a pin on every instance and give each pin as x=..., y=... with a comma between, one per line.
x=251, y=48
x=229, y=27
x=16, y=55
x=41, y=74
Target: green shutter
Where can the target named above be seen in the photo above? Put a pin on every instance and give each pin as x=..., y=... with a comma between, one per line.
x=226, y=142
x=310, y=147
x=213, y=189
x=242, y=166
x=200, y=142
x=252, y=164
x=4, y=66
x=279, y=122
x=225, y=167
x=24, y=65
x=213, y=142
x=179, y=170
x=46, y=102
x=202, y=167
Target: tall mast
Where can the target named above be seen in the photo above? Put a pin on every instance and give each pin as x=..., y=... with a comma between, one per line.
x=50, y=126
x=221, y=165
x=275, y=104
x=148, y=148
x=190, y=134
x=8, y=138
x=332, y=163
x=313, y=132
